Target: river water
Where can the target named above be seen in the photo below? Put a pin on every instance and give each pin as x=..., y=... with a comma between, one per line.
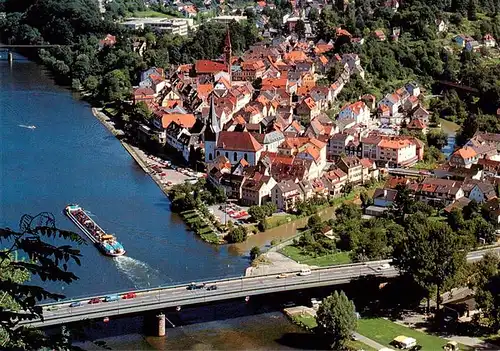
x=72, y=158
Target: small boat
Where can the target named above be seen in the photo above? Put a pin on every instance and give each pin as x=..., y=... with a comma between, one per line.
x=105, y=242
x=28, y=127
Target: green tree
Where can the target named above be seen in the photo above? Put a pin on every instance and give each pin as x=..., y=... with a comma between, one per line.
x=254, y=252
x=18, y=301
x=257, y=212
x=437, y=138
x=431, y=253
x=314, y=222
x=115, y=86
x=90, y=84
x=336, y=319
x=237, y=235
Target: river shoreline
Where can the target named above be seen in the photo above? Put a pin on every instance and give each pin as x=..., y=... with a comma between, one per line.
x=137, y=154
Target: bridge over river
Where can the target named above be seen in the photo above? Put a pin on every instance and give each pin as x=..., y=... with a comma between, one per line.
x=167, y=297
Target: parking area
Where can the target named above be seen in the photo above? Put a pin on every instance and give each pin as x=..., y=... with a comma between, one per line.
x=230, y=212
x=168, y=174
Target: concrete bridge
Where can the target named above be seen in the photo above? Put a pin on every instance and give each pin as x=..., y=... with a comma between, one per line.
x=170, y=297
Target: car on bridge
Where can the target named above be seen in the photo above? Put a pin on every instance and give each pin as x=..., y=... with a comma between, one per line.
x=282, y=275
x=52, y=308
x=94, y=300
x=75, y=304
x=212, y=287
x=194, y=286
x=111, y=298
x=129, y=295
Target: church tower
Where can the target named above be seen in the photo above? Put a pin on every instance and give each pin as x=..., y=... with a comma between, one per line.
x=212, y=130
x=228, y=52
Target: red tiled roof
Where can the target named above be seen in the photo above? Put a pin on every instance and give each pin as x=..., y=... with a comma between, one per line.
x=185, y=120
x=208, y=66
x=238, y=141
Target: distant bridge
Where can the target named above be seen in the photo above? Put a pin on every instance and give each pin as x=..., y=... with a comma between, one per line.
x=167, y=297
x=459, y=86
x=408, y=172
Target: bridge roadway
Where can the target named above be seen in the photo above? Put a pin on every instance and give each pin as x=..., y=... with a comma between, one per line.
x=153, y=299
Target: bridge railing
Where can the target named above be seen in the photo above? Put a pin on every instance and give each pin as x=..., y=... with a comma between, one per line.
x=210, y=281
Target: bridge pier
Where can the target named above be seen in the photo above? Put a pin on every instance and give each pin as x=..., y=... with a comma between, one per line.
x=161, y=324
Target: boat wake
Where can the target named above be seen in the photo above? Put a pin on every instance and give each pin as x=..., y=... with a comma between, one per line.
x=140, y=273
x=25, y=126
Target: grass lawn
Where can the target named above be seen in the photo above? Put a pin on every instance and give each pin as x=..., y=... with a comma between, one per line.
x=327, y=260
x=308, y=321
x=276, y=221
x=384, y=331
x=142, y=14
x=210, y=237
x=305, y=320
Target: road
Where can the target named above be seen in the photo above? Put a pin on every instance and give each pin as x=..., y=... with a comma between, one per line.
x=153, y=299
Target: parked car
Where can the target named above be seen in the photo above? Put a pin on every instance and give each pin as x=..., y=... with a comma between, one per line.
x=94, y=300
x=75, y=304
x=111, y=298
x=212, y=287
x=129, y=295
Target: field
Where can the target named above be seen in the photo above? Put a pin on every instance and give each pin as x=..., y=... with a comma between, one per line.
x=327, y=260
x=384, y=331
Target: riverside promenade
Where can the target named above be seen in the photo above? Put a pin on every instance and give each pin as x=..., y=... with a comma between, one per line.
x=164, y=182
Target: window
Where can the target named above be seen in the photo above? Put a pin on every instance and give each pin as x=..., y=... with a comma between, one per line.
x=245, y=156
x=218, y=153
x=210, y=156
x=227, y=155
x=235, y=157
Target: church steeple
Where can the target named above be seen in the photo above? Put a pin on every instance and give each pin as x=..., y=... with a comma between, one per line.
x=228, y=52
x=212, y=130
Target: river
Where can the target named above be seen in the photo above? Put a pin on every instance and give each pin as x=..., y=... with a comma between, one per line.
x=72, y=158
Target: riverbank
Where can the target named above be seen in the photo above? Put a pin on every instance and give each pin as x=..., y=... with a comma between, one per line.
x=165, y=181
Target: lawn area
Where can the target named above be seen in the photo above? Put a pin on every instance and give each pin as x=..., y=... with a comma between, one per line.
x=327, y=260
x=150, y=13
x=308, y=321
x=384, y=331
x=276, y=221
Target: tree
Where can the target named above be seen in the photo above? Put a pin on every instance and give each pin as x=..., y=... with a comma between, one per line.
x=42, y=259
x=431, y=253
x=300, y=29
x=471, y=10
x=257, y=212
x=437, y=138
x=485, y=280
x=237, y=235
x=254, y=252
x=314, y=222
x=336, y=319
x=90, y=84
x=115, y=86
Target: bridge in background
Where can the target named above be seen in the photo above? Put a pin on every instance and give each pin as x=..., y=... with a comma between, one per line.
x=168, y=297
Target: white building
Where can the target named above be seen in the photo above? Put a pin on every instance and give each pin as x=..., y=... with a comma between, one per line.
x=179, y=26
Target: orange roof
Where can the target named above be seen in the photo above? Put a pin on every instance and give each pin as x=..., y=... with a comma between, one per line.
x=323, y=59
x=416, y=124
x=303, y=90
x=204, y=89
x=340, y=31
x=184, y=120
x=261, y=3
x=296, y=56
x=466, y=152
x=184, y=68
x=275, y=82
x=278, y=158
x=252, y=65
x=309, y=102
x=394, y=144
